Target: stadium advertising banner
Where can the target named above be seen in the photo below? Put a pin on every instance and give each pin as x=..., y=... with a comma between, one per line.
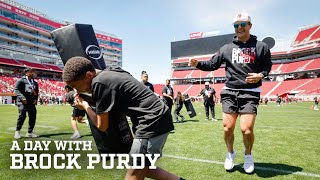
x=199, y=46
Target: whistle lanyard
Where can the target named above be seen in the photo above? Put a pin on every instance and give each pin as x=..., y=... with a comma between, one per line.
x=31, y=84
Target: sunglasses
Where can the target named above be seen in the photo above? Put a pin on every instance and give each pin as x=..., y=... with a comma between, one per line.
x=242, y=24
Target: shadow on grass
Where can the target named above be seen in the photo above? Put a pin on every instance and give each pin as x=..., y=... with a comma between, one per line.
x=186, y=121
x=59, y=134
x=268, y=170
x=53, y=134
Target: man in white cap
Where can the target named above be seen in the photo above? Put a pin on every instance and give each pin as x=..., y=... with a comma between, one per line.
x=209, y=97
x=247, y=61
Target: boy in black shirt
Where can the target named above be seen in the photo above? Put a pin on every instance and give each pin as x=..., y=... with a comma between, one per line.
x=115, y=90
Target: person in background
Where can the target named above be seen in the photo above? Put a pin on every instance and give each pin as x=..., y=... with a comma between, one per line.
x=209, y=98
x=316, y=103
x=167, y=92
x=77, y=114
x=27, y=91
x=144, y=80
x=179, y=104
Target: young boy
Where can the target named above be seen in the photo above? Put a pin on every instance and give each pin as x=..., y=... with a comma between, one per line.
x=77, y=114
x=115, y=90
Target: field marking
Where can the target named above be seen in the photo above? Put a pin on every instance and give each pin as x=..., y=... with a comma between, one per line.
x=257, y=126
x=257, y=167
x=290, y=127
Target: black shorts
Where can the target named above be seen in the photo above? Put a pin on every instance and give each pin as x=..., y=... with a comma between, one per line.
x=243, y=102
x=77, y=112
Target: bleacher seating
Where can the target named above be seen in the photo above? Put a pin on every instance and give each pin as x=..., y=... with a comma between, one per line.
x=182, y=74
x=158, y=88
x=197, y=74
x=34, y=65
x=10, y=62
x=296, y=66
x=53, y=67
x=303, y=35
x=315, y=36
x=315, y=64
x=47, y=87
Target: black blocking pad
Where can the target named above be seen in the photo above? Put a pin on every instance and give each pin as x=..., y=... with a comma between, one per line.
x=118, y=137
x=191, y=112
x=78, y=40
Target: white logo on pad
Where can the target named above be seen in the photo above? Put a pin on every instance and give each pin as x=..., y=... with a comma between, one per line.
x=93, y=52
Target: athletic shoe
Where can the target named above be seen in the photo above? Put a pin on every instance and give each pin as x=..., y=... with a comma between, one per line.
x=248, y=165
x=207, y=119
x=229, y=162
x=182, y=119
x=17, y=135
x=214, y=119
x=75, y=135
x=87, y=122
x=31, y=135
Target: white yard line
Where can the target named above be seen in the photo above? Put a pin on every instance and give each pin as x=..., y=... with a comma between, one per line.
x=257, y=167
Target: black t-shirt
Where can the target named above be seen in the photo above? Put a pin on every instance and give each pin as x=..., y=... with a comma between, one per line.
x=168, y=90
x=208, y=95
x=149, y=85
x=316, y=100
x=116, y=90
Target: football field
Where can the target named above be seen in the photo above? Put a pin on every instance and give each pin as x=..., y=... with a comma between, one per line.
x=287, y=145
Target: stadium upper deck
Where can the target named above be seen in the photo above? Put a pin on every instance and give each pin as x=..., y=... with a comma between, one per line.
x=25, y=35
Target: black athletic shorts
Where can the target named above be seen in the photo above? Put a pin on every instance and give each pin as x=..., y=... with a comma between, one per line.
x=243, y=102
x=77, y=112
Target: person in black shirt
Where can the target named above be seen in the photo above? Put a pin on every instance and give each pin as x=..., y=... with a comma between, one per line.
x=209, y=97
x=316, y=103
x=144, y=80
x=115, y=90
x=167, y=92
x=27, y=91
x=247, y=61
x=179, y=104
x=77, y=114
x=278, y=100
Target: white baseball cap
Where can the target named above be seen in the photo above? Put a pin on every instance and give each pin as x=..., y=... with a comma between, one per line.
x=206, y=83
x=242, y=17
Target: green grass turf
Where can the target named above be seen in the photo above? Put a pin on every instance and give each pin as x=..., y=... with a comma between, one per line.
x=287, y=142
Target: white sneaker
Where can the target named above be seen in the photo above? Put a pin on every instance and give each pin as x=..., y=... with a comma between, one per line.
x=229, y=162
x=248, y=165
x=207, y=119
x=214, y=119
x=75, y=135
x=17, y=135
x=31, y=135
